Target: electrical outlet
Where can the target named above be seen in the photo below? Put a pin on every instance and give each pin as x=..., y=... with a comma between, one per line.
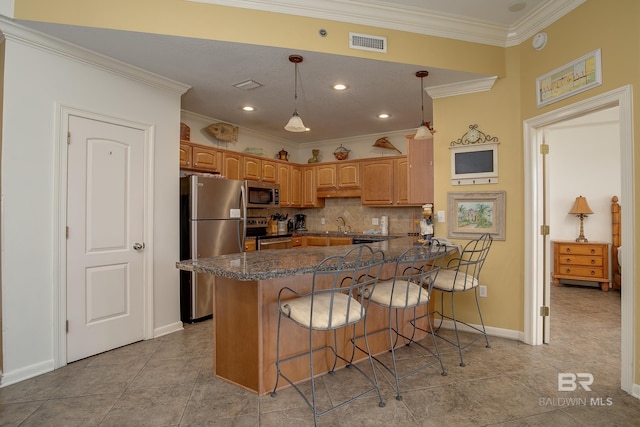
x=483, y=291
x=440, y=216
x=322, y=221
x=374, y=221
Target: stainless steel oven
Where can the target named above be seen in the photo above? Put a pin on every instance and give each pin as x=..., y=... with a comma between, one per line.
x=273, y=242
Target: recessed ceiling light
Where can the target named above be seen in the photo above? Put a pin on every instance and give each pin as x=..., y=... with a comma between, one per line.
x=340, y=86
x=384, y=116
x=248, y=108
x=517, y=7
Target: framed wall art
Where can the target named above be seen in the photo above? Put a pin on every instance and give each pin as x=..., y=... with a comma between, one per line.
x=570, y=79
x=471, y=214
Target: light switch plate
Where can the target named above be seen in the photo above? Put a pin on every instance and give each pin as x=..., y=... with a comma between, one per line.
x=374, y=221
x=440, y=216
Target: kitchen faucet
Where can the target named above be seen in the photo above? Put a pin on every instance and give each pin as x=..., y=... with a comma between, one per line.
x=344, y=224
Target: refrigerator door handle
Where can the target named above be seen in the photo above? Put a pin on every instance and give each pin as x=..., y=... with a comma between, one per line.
x=243, y=203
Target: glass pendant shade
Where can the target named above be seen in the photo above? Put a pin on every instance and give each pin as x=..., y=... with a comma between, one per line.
x=295, y=124
x=423, y=132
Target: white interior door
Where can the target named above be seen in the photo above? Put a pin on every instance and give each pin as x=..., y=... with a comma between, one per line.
x=105, y=219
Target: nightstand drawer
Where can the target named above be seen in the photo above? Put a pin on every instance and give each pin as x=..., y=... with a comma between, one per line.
x=584, y=249
x=578, y=271
x=581, y=260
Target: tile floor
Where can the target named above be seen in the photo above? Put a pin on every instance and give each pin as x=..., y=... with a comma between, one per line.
x=168, y=381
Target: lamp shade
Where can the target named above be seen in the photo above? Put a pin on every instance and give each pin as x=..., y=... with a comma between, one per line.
x=295, y=124
x=580, y=207
x=423, y=132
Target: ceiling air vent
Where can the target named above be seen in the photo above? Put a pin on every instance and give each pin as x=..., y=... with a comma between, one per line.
x=248, y=84
x=366, y=42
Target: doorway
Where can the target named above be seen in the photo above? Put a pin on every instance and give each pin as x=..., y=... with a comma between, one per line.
x=536, y=245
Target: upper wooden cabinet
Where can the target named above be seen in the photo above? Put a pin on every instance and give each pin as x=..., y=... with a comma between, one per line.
x=185, y=156
x=269, y=171
x=252, y=167
x=400, y=181
x=326, y=176
x=420, y=171
x=232, y=164
x=296, y=186
x=310, y=188
x=201, y=158
x=348, y=175
x=208, y=159
x=378, y=182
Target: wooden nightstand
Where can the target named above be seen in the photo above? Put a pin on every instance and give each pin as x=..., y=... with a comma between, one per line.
x=588, y=261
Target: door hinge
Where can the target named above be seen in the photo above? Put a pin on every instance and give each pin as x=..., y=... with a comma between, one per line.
x=67, y=326
x=544, y=311
x=544, y=230
x=67, y=232
x=544, y=148
x=68, y=138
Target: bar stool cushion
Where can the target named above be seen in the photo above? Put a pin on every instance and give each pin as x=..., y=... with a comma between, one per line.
x=299, y=310
x=388, y=295
x=447, y=281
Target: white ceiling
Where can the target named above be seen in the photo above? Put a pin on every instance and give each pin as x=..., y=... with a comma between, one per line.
x=211, y=68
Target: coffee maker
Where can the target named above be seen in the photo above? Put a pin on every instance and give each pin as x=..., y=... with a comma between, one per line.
x=301, y=222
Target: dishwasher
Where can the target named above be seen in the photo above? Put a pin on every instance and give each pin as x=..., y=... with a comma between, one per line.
x=274, y=242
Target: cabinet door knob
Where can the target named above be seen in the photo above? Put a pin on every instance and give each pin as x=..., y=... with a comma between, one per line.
x=593, y=273
x=568, y=260
x=568, y=250
x=568, y=270
x=593, y=251
x=593, y=261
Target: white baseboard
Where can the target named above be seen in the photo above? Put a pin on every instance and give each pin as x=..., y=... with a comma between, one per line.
x=635, y=391
x=27, y=372
x=168, y=329
x=495, y=332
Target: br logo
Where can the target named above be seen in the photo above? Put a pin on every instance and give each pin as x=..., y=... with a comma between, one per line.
x=568, y=381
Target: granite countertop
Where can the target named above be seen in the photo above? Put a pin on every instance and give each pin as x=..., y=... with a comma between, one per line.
x=262, y=265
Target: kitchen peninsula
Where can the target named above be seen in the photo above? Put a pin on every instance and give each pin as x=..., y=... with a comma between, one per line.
x=245, y=312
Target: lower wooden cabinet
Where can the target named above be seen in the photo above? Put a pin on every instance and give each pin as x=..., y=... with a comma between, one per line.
x=250, y=244
x=585, y=261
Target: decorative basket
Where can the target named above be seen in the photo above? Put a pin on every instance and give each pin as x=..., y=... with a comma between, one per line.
x=341, y=153
x=185, y=132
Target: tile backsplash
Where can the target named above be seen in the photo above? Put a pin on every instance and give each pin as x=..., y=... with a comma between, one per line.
x=359, y=217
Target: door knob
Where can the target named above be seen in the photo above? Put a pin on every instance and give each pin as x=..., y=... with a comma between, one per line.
x=138, y=246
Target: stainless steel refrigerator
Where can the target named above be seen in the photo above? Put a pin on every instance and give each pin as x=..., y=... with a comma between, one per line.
x=212, y=222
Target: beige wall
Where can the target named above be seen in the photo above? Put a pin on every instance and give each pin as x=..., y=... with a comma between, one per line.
x=611, y=26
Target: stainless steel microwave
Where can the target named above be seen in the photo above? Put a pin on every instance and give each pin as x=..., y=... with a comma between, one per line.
x=262, y=194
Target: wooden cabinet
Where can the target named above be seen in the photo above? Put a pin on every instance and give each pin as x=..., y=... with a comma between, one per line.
x=299, y=242
x=339, y=241
x=296, y=186
x=326, y=174
x=200, y=158
x=348, y=175
x=338, y=180
x=328, y=241
x=269, y=171
x=207, y=159
x=250, y=244
x=586, y=261
x=309, y=188
x=401, y=181
x=378, y=182
x=420, y=171
x=232, y=165
x=185, y=156
x=290, y=179
x=252, y=168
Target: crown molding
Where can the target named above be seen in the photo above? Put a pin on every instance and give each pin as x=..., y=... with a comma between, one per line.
x=461, y=88
x=37, y=40
x=415, y=20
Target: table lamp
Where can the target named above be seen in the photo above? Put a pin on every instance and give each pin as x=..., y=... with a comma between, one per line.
x=581, y=209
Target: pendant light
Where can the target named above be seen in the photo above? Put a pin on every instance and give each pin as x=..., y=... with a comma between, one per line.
x=295, y=122
x=423, y=131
